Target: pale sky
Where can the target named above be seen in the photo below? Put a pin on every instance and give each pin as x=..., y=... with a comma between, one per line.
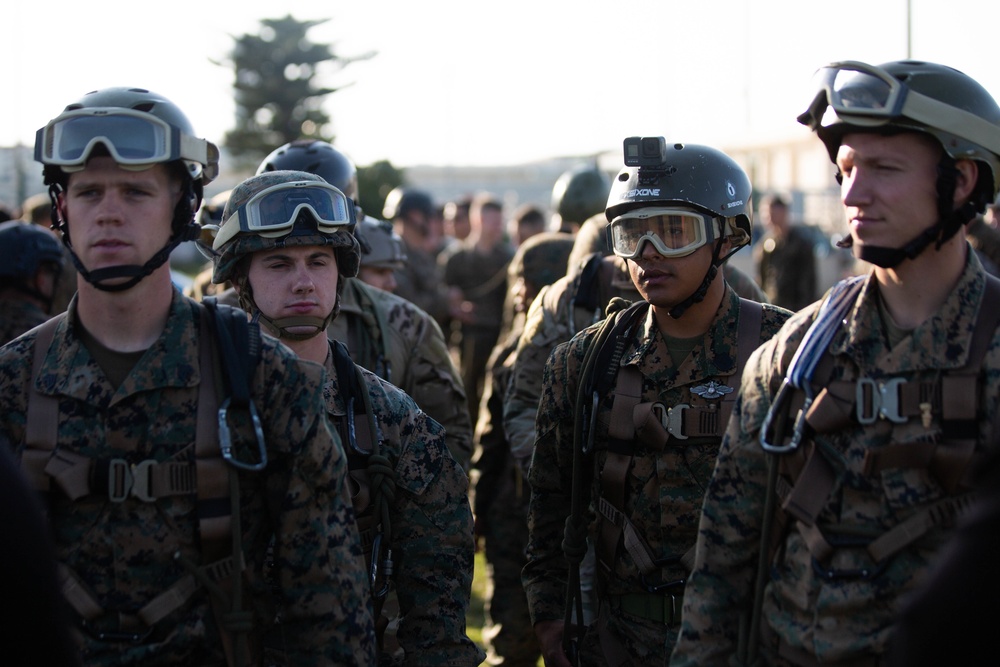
x=464, y=82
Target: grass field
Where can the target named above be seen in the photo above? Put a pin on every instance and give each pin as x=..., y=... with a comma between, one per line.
x=476, y=616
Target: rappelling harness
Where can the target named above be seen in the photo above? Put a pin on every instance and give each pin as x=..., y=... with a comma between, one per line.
x=803, y=479
x=225, y=412
x=633, y=422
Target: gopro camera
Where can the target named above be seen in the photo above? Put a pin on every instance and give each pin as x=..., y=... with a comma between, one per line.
x=645, y=151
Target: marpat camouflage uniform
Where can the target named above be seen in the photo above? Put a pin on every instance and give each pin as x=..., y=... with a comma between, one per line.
x=550, y=322
x=664, y=488
x=841, y=618
x=402, y=344
x=419, y=282
x=18, y=316
x=501, y=509
x=128, y=553
x=430, y=520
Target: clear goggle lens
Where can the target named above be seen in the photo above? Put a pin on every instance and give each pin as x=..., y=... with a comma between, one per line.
x=272, y=212
x=674, y=233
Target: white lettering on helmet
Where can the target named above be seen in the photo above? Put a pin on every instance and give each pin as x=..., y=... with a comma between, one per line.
x=642, y=192
x=734, y=204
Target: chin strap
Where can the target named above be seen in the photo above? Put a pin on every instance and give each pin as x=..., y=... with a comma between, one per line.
x=134, y=272
x=279, y=327
x=699, y=294
x=941, y=232
x=950, y=220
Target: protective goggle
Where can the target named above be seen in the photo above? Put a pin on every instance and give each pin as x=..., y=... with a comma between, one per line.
x=673, y=232
x=131, y=137
x=861, y=94
x=272, y=212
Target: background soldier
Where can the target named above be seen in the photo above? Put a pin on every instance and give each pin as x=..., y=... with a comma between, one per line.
x=658, y=376
x=410, y=494
x=901, y=370
x=385, y=333
x=115, y=421
x=31, y=260
x=501, y=496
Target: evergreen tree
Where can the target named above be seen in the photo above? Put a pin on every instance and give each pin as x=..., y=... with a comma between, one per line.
x=278, y=87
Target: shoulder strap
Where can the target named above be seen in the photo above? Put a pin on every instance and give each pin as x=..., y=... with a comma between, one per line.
x=42, y=416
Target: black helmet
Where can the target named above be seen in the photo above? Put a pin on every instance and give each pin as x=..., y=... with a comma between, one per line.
x=698, y=177
x=402, y=200
x=138, y=128
x=580, y=193
x=316, y=157
x=711, y=191
x=24, y=249
x=911, y=95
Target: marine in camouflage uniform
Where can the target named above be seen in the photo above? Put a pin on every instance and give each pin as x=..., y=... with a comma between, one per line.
x=31, y=261
x=869, y=491
x=475, y=271
x=683, y=352
x=411, y=495
x=385, y=333
x=419, y=281
x=400, y=343
x=501, y=496
x=129, y=546
x=566, y=307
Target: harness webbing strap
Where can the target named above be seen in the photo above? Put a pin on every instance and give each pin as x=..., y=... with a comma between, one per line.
x=211, y=471
x=42, y=416
x=627, y=417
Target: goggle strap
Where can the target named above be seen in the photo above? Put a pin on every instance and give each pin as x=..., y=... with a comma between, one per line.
x=954, y=121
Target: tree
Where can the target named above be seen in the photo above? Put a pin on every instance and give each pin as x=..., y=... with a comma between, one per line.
x=375, y=182
x=279, y=97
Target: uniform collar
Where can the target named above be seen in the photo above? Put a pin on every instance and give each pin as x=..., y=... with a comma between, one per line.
x=69, y=369
x=864, y=338
x=714, y=356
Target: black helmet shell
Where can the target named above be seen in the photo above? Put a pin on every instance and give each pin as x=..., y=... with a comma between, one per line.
x=316, y=157
x=691, y=175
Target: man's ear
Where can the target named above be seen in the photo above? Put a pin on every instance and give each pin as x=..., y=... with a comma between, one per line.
x=965, y=183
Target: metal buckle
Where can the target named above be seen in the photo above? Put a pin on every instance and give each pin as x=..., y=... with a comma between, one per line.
x=141, y=480
x=119, y=480
x=884, y=400
x=672, y=418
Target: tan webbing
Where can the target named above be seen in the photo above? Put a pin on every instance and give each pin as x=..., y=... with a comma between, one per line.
x=626, y=415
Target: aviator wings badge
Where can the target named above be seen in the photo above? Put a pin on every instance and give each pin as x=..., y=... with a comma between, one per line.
x=711, y=390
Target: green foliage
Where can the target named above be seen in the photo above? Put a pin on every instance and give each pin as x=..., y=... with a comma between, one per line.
x=375, y=182
x=278, y=87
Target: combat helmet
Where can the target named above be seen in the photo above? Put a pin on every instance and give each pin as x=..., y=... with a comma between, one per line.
x=282, y=209
x=697, y=193
x=137, y=128
x=24, y=249
x=316, y=157
x=381, y=247
x=917, y=96
x=578, y=194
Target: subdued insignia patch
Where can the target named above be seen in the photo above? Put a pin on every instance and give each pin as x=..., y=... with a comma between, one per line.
x=711, y=390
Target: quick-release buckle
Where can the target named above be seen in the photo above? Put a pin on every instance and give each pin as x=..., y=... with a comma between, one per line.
x=672, y=418
x=125, y=479
x=878, y=399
